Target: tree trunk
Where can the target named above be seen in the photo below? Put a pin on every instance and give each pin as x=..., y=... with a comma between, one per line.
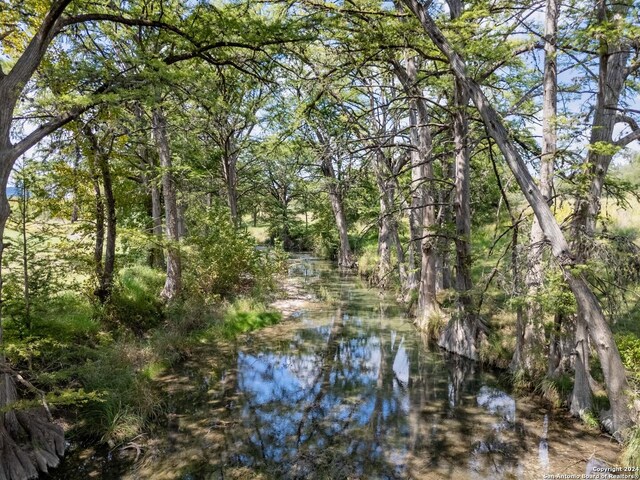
x=75, y=209
x=612, y=367
x=402, y=266
x=530, y=340
x=383, y=271
x=385, y=222
x=444, y=219
x=417, y=186
x=230, y=173
x=156, y=216
x=182, y=223
x=149, y=169
x=460, y=335
x=98, y=248
x=174, y=274
x=106, y=270
x=106, y=282
x=156, y=258
x=427, y=303
x=422, y=219
x=105, y=210
x=389, y=226
x=345, y=255
x=613, y=60
x=581, y=397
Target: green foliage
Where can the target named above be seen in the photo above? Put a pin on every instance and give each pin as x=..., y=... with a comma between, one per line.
x=324, y=235
x=32, y=271
x=604, y=148
x=127, y=399
x=556, y=389
x=262, y=90
x=238, y=320
x=368, y=260
x=494, y=351
x=555, y=297
x=135, y=303
x=220, y=259
x=629, y=347
x=590, y=419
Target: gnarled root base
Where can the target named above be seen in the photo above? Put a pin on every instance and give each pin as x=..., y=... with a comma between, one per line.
x=460, y=337
x=28, y=441
x=15, y=464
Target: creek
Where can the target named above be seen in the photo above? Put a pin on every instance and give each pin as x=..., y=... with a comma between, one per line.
x=346, y=388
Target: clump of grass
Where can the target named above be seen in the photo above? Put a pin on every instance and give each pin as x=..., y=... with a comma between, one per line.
x=433, y=325
x=495, y=351
x=631, y=453
x=135, y=304
x=244, y=316
x=521, y=381
x=69, y=318
x=368, y=261
x=555, y=389
x=127, y=399
x=591, y=419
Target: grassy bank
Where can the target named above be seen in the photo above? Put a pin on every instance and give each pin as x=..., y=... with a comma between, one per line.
x=99, y=364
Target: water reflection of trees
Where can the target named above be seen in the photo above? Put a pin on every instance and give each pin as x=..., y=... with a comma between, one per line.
x=350, y=391
x=465, y=428
x=334, y=403
x=354, y=396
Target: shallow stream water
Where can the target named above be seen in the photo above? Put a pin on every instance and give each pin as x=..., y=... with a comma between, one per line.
x=346, y=389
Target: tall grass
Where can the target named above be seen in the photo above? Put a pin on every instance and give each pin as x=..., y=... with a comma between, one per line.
x=631, y=453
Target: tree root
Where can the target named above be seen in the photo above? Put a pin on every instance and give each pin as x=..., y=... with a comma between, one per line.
x=460, y=337
x=15, y=464
x=29, y=441
x=47, y=439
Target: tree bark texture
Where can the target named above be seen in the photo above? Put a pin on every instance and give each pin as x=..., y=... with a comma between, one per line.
x=611, y=80
x=345, y=255
x=384, y=268
x=417, y=186
x=157, y=260
x=461, y=334
x=422, y=220
x=230, y=174
x=150, y=180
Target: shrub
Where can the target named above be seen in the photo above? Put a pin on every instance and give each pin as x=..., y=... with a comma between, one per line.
x=223, y=261
x=368, y=261
x=556, y=389
x=220, y=259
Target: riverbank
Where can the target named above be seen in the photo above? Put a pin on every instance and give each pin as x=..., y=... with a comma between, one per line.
x=133, y=377
x=345, y=389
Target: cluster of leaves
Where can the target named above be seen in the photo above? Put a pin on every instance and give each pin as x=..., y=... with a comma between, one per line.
x=220, y=260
